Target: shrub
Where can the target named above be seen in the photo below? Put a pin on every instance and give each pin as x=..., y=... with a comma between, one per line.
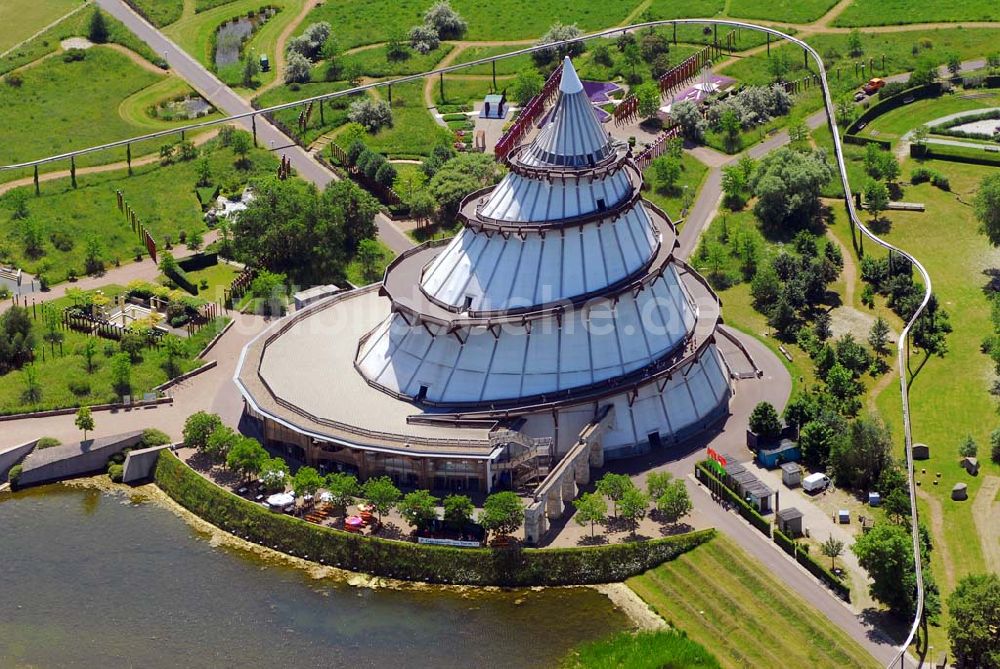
x=14, y=475
x=940, y=181
x=115, y=472
x=153, y=437
x=372, y=114
x=920, y=175
x=47, y=442
x=61, y=241
x=297, y=69
x=424, y=38
x=79, y=387
x=444, y=20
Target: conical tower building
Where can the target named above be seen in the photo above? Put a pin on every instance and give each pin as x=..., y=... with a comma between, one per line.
x=559, y=310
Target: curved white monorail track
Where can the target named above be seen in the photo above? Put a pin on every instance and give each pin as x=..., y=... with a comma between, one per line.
x=838, y=155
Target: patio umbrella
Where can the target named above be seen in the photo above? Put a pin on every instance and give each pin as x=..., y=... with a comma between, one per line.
x=354, y=521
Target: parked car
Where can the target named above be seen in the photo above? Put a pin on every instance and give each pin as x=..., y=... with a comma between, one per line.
x=859, y=96
x=816, y=482
x=873, y=86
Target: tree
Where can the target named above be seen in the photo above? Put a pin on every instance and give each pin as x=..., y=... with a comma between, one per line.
x=668, y=171
x=121, y=373
x=17, y=201
x=503, y=513
x=246, y=456
x=925, y=72
x=174, y=349
x=241, y=143
x=954, y=62
x=89, y=350
x=833, y=549
x=974, y=624
x=198, y=427
x=526, y=85
x=657, y=483
x=987, y=207
x=220, y=444
x=591, y=508
x=424, y=38
x=886, y=553
x=419, y=508
x=778, y=64
x=730, y=125
x=854, y=46
x=788, y=185
x=821, y=326
x=297, y=69
x=395, y=49
x=798, y=132
x=273, y=472
x=458, y=510
x=372, y=114
x=32, y=388
x=445, y=20
x=648, y=95
x=559, y=33
x=633, y=505
x=878, y=336
x=457, y=178
x=306, y=481
x=343, y=488
x=734, y=185
x=995, y=446
x=857, y=462
x=92, y=260
x=614, y=486
x=764, y=421
x=692, y=123
x=381, y=493
x=783, y=318
x=203, y=168
x=84, y=421
x=674, y=502
x=370, y=256
x=251, y=68
x=97, y=31
x=817, y=438
x=132, y=343
x=968, y=449
x=631, y=56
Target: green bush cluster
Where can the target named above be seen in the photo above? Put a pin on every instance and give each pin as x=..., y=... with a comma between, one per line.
x=839, y=588
x=921, y=175
x=14, y=475
x=396, y=559
x=47, y=442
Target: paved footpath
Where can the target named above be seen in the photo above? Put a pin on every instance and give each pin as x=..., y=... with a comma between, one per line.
x=224, y=98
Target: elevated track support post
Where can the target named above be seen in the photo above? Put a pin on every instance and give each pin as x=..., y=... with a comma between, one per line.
x=38, y=191
x=253, y=127
x=128, y=158
x=72, y=170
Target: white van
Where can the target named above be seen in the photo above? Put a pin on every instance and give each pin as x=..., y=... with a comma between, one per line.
x=816, y=482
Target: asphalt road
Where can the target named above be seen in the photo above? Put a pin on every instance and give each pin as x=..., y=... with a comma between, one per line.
x=225, y=99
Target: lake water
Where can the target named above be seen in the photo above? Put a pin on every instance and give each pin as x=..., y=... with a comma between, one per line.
x=90, y=579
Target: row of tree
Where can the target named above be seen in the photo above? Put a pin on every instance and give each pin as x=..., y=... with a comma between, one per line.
x=668, y=496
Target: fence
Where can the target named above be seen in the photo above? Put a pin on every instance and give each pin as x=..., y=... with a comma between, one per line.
x=239, y=286
x=657, y=147
x=717, y=486
x=527, y=116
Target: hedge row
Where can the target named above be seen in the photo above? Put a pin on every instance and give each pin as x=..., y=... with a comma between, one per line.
x=409, y=561
x=839, y=588
x=180, y=277
x=198, y=261
x=703, y=474
x=851, y=135
x=784, y=542
x=957, y=154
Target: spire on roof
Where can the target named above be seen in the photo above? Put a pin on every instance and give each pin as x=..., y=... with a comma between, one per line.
x=570, y=82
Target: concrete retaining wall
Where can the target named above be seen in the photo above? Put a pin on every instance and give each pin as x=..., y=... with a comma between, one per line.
x=141, y=463
x=12, y=455
x=64, y=462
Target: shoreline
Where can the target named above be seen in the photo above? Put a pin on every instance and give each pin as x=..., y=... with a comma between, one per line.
x=623, y=598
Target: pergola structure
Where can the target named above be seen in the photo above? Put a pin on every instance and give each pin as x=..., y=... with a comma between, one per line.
x=479, y=363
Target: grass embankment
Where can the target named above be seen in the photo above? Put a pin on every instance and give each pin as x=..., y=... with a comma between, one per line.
x=159, y=12
x=896, y=123
x=374, y=62
x=409, y=561
x=725, y=601
x=163, y=197
x=793, y=11
x=664, y=649
x=64, y=380
x=413, y=133
x=359, y=22
x=23, y=18
x=949, y=397
x=894, y=12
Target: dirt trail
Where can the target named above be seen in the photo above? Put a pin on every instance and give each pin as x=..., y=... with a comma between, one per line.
x=850, y=269
x=831, y=14
x=986, y=513
x=937, y=533
x=97, y=169
x=135, y=58
x=279, y=49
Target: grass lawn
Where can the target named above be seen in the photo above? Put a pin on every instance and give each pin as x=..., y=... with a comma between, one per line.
x=793, y=11
x=511, y=65
x=135, y=109
x=163, y=198
x=374, y=63
x=692, y=174
x=159, y=12
x=886, y=12
x=358, y=22
x=681, y=9
x=334, y=112
x=73, y=26
x=726, y=601
x=414, y=131
x=23, y=18
x=38, y=122
x=218, y=277
x=460, y=89
x=194, y=34
x=898, y=122
x=949, y=398
x=55, y=372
